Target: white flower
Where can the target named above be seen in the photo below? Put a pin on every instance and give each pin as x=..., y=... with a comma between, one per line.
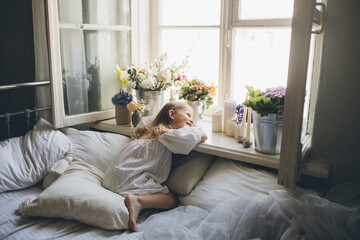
x=164, y=75
x=151, y=69
x=130, y=85
x=124, y=76
x=147, y=84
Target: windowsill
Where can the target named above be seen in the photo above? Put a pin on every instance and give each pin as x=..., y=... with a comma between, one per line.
x=219, y=144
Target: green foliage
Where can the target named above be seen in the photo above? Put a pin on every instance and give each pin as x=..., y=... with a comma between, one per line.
x=262, y=105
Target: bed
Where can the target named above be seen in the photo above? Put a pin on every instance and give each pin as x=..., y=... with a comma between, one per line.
x=50, y=184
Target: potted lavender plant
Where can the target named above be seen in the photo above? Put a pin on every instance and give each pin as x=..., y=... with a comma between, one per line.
x=122, y=113
x=268, y=109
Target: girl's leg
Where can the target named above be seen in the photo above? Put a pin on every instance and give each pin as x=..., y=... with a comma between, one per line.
x=135, y=203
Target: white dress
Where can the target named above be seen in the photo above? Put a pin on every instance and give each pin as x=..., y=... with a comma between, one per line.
x=144, y=164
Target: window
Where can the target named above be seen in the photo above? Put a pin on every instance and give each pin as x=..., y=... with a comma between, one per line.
x=87, y=39
x=183, y=29
x=253, y=41
x=260, y=47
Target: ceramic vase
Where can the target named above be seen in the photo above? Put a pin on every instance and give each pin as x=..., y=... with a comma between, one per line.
x=136, y=117
x=198, y=110
x=122, y=115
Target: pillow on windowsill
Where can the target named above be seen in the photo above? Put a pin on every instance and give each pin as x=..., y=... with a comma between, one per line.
x=78, y=195
x=187, y=171
x=24, y=161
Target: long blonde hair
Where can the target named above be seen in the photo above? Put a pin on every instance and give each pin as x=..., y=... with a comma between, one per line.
x=161, y=123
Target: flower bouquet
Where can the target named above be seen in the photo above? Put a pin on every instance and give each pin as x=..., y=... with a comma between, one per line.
x=121, y=101
x=156, y=76
x=196, y=90
x=122, y=98
x=267, y=102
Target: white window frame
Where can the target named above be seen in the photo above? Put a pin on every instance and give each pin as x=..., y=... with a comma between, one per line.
x=156, y=27
x=288, y=173
x=229, y=22
x=58, y=111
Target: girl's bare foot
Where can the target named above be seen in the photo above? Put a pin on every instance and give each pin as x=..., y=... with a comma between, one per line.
x=133, y=204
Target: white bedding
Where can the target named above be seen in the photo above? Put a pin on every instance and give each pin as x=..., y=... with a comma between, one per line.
x=274, y=216
x=232, y=201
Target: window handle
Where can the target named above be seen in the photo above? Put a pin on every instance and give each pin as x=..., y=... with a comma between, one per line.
x=228, y=38
x=318, y=19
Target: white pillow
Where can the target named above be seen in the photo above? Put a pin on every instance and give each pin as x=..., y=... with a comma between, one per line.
x=56, y=171
x=24, y=161
x=78, y=194
x=226, y=179
x=97, y=148
x=187, y=171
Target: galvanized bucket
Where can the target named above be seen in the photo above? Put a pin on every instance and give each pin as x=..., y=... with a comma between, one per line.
x=268, y=133
x=155, y=99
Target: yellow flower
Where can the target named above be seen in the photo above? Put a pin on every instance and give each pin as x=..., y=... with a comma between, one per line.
x=118, y=72
x=124, y=80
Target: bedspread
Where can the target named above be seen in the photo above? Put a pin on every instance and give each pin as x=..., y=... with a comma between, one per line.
x=278, y=215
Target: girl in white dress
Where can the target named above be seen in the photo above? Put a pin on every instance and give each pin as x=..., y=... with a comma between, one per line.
x=139, y=171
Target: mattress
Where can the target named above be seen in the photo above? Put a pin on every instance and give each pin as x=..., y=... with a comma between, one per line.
x=277, y=215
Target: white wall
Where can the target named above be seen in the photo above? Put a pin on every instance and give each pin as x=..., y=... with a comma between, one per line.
x=336, y=134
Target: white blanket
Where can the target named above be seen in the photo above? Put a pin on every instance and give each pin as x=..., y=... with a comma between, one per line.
x=275, y=216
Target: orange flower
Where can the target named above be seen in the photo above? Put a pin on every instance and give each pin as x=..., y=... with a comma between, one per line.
x=212, y=89
x=132, y=106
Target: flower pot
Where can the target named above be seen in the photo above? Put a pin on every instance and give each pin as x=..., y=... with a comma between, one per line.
x=198, y=110
x=155, y=100
x=122, y=115
x=268, y=133
x=136, y=117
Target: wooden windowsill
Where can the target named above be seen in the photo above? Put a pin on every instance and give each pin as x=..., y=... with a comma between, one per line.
x=219, y=144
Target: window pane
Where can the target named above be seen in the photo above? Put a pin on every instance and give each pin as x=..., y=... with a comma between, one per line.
x=308, y=88
x=190, y=12
x=88, y=60
x=202, y=46
x=112, y=12
x=265, y=9
x=261, y=59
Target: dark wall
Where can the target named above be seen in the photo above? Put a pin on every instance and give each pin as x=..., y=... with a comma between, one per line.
x=336, y=134
x=17, y=61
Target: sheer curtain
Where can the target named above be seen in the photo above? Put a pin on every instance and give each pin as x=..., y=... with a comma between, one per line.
x=73, y=60
x=43, y=94
x=88, y=54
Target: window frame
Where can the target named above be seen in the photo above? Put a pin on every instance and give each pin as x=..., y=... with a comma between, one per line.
x=60, y=119
x=228, y=23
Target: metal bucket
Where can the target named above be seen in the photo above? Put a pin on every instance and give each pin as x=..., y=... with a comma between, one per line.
x=268, y=133
x=155, y=99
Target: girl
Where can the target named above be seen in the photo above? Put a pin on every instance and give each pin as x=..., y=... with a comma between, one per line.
x=144, y=164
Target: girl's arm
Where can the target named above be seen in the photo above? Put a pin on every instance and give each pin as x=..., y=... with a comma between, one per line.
x=182, y=140
x=204, y=137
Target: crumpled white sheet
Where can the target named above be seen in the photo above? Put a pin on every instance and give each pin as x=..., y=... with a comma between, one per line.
x=278, y=215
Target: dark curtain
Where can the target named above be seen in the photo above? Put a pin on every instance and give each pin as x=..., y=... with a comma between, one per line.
x=17, y=63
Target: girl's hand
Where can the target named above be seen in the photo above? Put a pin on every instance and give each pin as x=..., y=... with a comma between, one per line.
x=204, y=137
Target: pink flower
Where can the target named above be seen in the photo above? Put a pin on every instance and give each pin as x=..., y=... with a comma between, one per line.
x=181, y=77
